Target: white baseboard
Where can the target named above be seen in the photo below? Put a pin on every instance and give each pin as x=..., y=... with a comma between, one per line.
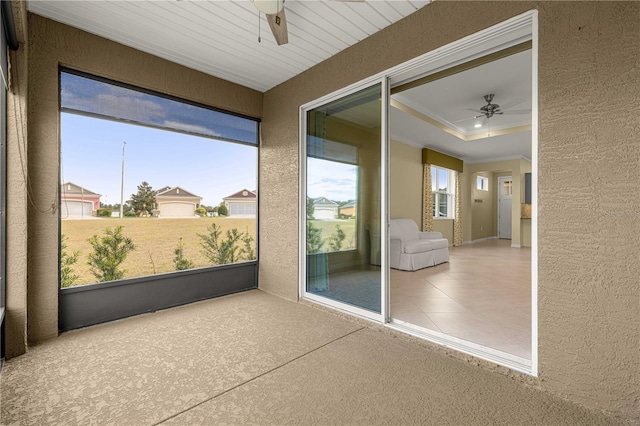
x=480, y=240
x=516, y=246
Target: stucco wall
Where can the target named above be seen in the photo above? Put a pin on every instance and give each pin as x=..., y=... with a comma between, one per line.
x=52, y=44
x=16, y=238
x=588, y=294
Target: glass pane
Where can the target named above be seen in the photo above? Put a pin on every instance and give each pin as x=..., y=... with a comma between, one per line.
x=343, y=200
x=442, y=180
x=434, y=179
x=443, y=205
x=434, y=203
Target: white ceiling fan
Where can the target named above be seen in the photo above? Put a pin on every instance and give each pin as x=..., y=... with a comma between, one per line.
x=274, y=11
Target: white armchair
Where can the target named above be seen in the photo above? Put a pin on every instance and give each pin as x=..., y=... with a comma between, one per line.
x=411, y=249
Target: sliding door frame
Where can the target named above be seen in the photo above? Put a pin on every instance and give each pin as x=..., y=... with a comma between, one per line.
x=381, y=80
x=516, y=30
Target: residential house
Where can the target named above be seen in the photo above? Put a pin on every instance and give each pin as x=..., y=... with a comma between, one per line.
x=324, y=208
x=77, y=202
x=241, y=204
x=585, y=192
x=349, y=209
x=176, y=202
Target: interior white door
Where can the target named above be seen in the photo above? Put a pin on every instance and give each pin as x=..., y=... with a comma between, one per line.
x=505, y=188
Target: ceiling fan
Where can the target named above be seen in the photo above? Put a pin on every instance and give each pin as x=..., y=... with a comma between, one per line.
x=274, y=11
x=490, y=109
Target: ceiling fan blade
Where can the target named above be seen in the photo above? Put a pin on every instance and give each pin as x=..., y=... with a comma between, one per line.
x=517, y=111
x=512, y=103
x=278, y=24
x=464, y=119
x=475, y=110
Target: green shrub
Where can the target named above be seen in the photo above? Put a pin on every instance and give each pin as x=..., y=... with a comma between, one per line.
x=314, y=238
x=179, y=261
x=201, y=211
x=336, y=239
x=109, y=251
x=221, y=251
x=104, y=212
x=67, y=277
x=130, y=213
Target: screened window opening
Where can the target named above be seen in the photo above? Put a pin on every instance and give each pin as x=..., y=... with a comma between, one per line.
x=151, y=184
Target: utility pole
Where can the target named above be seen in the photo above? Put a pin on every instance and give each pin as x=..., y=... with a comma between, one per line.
x=122, y=181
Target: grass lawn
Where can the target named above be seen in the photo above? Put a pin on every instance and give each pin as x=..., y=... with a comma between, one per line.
x=328, y=227
x=155, y=240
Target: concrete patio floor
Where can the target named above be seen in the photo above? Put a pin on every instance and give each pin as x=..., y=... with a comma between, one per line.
x=253, y=358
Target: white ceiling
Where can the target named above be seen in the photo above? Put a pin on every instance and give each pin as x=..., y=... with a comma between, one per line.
x=220, y=37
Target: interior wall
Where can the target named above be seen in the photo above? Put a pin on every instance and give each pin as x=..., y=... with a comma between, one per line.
x=445, y=226
x=405, y=182
x=482, y=208
x=52, y=44
x=587, y=280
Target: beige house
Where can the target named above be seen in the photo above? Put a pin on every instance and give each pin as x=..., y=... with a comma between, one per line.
x=77, y=202
x=585, y=234
x=176, y=202
x=241, y=204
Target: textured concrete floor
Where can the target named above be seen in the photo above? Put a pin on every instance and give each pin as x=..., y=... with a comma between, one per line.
x=253, y=358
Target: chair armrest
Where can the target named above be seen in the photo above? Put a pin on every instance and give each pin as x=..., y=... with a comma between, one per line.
x=430, y=235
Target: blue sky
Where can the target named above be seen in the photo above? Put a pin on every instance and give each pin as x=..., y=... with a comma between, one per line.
x=92, y=158
x=331, y=179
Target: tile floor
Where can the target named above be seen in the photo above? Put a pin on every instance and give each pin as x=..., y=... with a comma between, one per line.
x=482, y=295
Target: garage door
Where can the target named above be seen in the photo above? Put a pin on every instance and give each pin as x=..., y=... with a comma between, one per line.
x=242, y=209
x=75, y=209
x=324, y=213
x=177, y=210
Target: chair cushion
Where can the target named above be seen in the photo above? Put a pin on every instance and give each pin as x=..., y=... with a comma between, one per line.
x=421, y=246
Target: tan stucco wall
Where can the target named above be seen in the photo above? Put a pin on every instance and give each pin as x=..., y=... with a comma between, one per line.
x=52, y=44
x=588, y=294
x=405, y=182
x=17, y=204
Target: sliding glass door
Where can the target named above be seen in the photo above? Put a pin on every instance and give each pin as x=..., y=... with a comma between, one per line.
x=342, y=172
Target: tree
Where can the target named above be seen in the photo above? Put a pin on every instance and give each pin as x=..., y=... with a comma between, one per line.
x=310, y=208
x=179, y=261
x=67, y=277
x=314, y=238
x=109, y=251
x=144, y=200
x=222, y=209
x=336, y=239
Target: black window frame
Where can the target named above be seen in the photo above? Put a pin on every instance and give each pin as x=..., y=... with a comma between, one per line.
x=92, y=304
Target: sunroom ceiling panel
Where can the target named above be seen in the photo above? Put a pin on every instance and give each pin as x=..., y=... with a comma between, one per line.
x=220, y=37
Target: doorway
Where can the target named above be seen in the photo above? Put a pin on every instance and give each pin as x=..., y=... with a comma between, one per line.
x=339, y=122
